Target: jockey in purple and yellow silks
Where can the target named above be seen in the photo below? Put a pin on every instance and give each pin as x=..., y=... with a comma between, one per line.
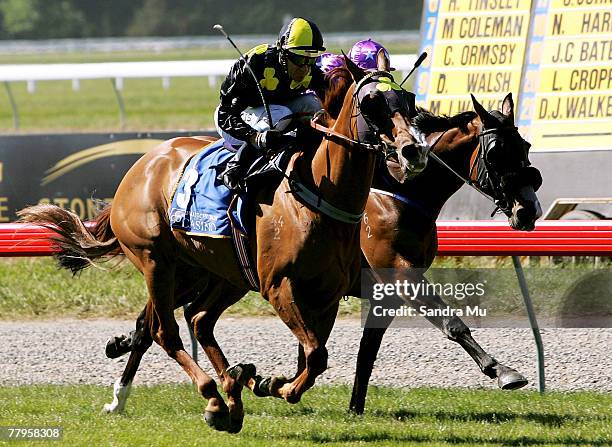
x=287, y=74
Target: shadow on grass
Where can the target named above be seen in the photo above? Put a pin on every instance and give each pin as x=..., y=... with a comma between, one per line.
x=350, y=437
x=493, y=417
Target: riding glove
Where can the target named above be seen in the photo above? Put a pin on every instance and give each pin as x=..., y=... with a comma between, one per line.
x=272, y=139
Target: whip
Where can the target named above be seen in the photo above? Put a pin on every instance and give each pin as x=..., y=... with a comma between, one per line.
x=219, y=28
x=418, y=62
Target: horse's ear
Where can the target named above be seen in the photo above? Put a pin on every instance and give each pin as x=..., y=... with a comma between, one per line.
x=487, y=119
x=382, y=61
x=356, y=72
x=508, y=106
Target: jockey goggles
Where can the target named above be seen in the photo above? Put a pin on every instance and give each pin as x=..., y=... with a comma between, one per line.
x=301, y=60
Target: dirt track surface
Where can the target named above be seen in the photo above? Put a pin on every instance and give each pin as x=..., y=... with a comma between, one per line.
x=71, y=351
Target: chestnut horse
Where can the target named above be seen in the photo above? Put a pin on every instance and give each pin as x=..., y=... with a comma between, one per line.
x=399, y=231
x=399, y=227
x=302, y=272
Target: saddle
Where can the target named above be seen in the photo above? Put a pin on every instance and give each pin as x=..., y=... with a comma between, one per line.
x=201, y=205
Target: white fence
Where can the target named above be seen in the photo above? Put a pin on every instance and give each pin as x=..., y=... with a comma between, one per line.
x=165, y=70
x=212, y=69
x=160, y=44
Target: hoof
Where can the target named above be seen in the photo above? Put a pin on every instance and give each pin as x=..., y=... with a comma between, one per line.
x=112, y=408
x=275, y=384
x=356, y=409
x=220, y=421
x=117, y=346
x=281, y=387
x=242, y=372
x=235, y=425
x=509, y=379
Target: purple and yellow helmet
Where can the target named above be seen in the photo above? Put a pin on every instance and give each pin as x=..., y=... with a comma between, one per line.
x=328, y=61
x=364, y=54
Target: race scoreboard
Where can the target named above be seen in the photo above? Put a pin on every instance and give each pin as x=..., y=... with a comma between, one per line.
x=555, y=56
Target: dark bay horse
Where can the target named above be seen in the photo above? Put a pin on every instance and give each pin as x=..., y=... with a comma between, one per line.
x=303, y=271
x=399, y=227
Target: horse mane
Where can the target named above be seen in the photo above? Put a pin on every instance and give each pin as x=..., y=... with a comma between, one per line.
x=427, y=122
x=338, y=82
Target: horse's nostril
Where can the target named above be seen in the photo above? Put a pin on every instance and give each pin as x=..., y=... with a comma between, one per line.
x=410, y=151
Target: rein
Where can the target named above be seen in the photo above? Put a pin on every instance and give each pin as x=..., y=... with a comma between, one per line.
x=332, y=135
x=468, y=181
x=465, y=180
x=337, y=137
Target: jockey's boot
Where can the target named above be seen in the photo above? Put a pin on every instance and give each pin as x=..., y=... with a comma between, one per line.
x=234, y=174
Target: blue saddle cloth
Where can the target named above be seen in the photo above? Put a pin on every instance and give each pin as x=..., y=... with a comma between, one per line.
x=200, y=201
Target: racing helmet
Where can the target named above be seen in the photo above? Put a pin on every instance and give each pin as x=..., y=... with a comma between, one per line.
x=301, y=37
x=364, y=52
x=328, y=61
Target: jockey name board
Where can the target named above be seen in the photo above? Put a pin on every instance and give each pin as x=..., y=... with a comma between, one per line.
x=555, y=56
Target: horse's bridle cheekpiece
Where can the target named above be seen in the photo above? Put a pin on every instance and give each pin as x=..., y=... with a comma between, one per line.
x=488, y=182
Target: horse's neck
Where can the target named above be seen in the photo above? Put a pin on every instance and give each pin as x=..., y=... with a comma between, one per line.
x=432, y=188
x=343, y=175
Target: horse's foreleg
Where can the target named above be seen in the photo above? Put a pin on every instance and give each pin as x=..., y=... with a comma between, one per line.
x=301, y=362
x=312, y=330
x=507, y=378
x=202, y=316
x=373, y=332
x=456, y=330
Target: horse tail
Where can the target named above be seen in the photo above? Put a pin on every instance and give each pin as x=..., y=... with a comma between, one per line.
x=77, y=245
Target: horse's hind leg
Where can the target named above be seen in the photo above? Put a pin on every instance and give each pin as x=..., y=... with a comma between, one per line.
x=139, y=344
x=202, y=316
x=118, y=345
x=159, y=272
x=139, y=340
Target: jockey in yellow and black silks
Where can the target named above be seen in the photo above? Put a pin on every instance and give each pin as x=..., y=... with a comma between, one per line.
x=287, y=74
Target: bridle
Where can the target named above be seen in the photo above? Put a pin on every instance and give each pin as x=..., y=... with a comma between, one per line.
x=381, y=147
x=484, y=178
x=313, y=198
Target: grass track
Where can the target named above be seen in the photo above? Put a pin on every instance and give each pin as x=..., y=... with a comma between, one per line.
x=171, y=415
x=33, y=288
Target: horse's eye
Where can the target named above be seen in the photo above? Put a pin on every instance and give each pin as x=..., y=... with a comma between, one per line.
x=494, y=152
